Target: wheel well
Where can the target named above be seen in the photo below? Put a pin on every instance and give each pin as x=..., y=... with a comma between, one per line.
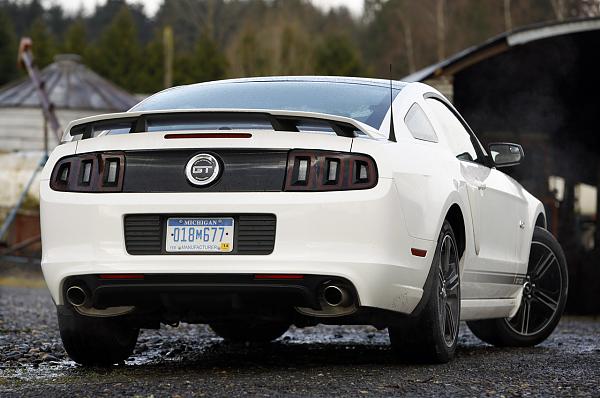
x=456, y=220
x=541, y=221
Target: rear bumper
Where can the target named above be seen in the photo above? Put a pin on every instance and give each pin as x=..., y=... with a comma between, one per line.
x=359, y=236
x=210, y=292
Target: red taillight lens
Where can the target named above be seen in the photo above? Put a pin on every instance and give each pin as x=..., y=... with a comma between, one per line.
x=278, y=276
x=309, y=170
x=120, y=276
x=90, y=172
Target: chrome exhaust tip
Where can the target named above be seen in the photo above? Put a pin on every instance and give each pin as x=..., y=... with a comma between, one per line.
x=335, y=296
x=77, y=296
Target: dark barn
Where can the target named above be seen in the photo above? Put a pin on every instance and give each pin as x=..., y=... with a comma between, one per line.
x=538, y=86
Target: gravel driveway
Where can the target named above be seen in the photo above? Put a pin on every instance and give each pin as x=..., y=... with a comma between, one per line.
x=321, y=361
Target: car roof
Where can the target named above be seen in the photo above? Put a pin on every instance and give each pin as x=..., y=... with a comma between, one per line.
x=314, y=79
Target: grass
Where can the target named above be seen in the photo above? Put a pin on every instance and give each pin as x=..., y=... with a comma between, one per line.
x=15, y=281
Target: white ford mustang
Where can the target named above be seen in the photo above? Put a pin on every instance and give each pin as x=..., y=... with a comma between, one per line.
x=254, y=204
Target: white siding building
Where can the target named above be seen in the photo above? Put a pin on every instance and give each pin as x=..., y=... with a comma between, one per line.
x=75, y=91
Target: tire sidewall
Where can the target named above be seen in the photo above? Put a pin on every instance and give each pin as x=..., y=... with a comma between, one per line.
x=433, y=308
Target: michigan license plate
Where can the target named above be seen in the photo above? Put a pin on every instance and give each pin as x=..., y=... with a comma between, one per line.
x=211, y=235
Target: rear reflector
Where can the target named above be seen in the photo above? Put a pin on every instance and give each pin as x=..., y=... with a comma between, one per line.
x=278, y=276
x=121, y=276
x=208, y=135
x=418, y=252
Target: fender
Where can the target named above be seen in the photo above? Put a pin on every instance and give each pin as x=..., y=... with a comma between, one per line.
x=453, y=199
x=535, y=208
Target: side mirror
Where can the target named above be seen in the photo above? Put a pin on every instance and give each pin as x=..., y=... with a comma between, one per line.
x=504, y=154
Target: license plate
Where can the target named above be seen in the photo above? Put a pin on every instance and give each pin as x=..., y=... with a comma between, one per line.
x=204, y=235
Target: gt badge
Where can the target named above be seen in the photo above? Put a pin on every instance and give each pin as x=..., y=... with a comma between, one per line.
x=202, y=169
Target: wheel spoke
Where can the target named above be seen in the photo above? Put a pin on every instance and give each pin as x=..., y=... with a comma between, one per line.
x=545, y=299
x=441, y=276
x=451, y=324
x=543, y=265
x=451, y=269
x=452, y=282
x=443, y=304
x=525, y=319
x=446, y=256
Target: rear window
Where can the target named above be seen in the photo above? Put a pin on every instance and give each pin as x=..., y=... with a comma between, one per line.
x=363, y=102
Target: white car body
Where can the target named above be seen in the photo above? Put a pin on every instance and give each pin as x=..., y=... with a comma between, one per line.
x=365, y=236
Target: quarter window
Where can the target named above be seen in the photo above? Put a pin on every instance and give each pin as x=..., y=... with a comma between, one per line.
x=459, y=139
x=419, y=125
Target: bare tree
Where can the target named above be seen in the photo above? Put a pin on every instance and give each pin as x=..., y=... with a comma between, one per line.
x=408, y=42
x=507, y=16
x=559, y=9
x=441, y=29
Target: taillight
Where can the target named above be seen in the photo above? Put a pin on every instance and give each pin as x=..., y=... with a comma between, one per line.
x=309, y=170
x=90, y=172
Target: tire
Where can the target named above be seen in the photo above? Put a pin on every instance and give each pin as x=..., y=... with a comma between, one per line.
x=432, y=336
x=544, y=299
x=254, y=332
x=97, y=341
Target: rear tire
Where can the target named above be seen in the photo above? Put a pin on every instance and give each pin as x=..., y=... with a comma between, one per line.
x=255, y=332
x=96, y=341
x=543, y=302
x=433, y=335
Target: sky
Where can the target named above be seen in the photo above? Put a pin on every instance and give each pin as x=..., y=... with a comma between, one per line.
x=151, y=6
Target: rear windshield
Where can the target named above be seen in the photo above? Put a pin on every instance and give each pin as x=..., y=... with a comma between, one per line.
x=362, y=102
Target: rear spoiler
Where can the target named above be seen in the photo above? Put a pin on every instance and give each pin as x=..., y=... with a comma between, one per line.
x=137, y=122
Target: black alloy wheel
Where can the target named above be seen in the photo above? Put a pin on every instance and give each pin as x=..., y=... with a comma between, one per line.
x=543, y=299
x=449, y=294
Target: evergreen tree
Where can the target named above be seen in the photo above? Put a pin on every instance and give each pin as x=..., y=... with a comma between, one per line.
x=117, y=55
x=252, y=57
x=338, y=57
x=206, y=63
x=209, y=63
x=151, y=72
x=294, y=53
x=43, y=43
x=8, y=50
x=75, y=40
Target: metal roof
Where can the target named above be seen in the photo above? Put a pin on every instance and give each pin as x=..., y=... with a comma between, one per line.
x=70, y=85
x=500, y=44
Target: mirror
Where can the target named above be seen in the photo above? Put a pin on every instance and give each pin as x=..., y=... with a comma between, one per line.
x=505, y=154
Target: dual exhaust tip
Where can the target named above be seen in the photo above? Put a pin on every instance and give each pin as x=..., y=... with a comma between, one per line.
x=336, y=296
x=77, y=296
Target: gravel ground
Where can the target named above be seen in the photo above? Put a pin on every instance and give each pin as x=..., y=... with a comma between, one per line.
x=322, y=361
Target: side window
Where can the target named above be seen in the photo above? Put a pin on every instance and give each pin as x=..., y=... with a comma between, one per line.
x=419, y=125
x=458, y=137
